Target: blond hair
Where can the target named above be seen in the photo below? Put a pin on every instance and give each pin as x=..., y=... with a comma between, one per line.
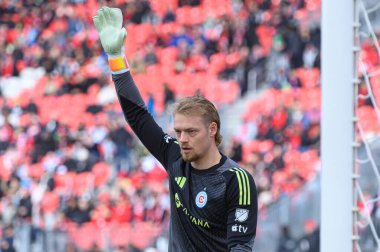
x=198, y=105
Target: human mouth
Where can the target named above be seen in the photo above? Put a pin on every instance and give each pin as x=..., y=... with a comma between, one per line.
x=186, y=150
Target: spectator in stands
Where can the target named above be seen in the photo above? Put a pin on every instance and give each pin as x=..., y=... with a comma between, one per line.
x=24, y=210
x=150, y=104
x=188, y=2
x=237, y=149
x=150, y=55
x=169, y=16
x=310, y=56
x=102, y=212
x=311, y=136
x=71, y=206
x=31, y=107
x=122, y=209
x=182, y=40
x=6, y=243
x=250, y=36
x=140, y=11
x=286, y=243
x=78, y=210
x=43, y=143
x=124, y=143
x=278, y=159
x=138, y=62
x=309, y=242
x=6, y=136
x=8, y=212
x=168, y=95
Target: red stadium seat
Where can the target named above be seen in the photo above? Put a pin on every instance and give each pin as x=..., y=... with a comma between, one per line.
x=5, y=173
x=36, y=171
x=50, y=202
x=249, y=148
x=83, y=182
x=368, y=119
x=233, y=59
x=217, y=63
x=292, y=156
x=101, y=172
x=143, y=234
x=167, y=55
x=161, y=6
x=120, y=234
x=309, y=98
x=87, y=236
x=141, y=32
x=266, y=146
x=183, y=16
x=214, y=9
x=165, y=31
x=265, y=34
x=287, y=98
x=313, y=5
x=309, y=77
x=226, y=92
x=64, y=182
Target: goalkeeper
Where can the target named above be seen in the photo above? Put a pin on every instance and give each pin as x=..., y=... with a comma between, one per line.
x=213, y=200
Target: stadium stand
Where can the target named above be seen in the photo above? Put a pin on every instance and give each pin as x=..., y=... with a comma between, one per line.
x=72, y=174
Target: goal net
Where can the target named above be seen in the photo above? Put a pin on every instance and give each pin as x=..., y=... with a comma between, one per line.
x=367, y=117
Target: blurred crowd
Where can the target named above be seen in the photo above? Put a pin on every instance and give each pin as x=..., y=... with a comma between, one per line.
x=66, y=154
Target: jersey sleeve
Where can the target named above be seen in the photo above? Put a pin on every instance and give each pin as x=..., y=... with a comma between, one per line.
x=241, y=196
x=162, y=146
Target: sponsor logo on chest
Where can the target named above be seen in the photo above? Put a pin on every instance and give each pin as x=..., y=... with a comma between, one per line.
x=194, y=220
x=180, y=181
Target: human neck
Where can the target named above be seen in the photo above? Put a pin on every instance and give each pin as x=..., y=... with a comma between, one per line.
x=210, y=159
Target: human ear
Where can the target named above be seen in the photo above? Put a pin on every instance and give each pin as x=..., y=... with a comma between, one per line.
x=213, y=128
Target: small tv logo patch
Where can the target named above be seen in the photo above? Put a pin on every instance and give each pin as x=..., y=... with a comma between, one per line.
x=201, y=199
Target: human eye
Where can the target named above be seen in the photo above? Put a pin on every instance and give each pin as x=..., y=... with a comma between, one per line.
x=177, y=133
x=192, y=132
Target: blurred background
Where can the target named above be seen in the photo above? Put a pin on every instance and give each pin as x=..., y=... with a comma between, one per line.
x=74, y=177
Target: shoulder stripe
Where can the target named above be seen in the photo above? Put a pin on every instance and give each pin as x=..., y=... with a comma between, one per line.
x=244, y=186
x=240, y=187
x=248, y=187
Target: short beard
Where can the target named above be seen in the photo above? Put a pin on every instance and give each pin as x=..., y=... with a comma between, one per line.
x=190, y=158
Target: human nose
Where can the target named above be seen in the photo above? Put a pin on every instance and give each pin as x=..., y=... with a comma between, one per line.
x=183, y=138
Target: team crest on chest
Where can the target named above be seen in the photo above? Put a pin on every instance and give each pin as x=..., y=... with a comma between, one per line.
x=201, y=199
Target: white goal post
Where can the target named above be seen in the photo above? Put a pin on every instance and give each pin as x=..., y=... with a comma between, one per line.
x=337, y=123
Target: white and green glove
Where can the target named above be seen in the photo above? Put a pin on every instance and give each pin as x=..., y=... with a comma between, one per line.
x=108, y=23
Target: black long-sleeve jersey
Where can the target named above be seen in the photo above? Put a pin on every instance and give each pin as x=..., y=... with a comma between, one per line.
x=211, y=210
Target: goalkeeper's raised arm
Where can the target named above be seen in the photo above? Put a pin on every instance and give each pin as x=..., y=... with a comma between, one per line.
x=108, y=23
x=213, y=199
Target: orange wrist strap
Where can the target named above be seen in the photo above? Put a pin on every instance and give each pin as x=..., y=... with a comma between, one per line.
x=118, y=63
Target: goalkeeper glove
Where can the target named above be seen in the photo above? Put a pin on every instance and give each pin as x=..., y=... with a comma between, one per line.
x=108, y=23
